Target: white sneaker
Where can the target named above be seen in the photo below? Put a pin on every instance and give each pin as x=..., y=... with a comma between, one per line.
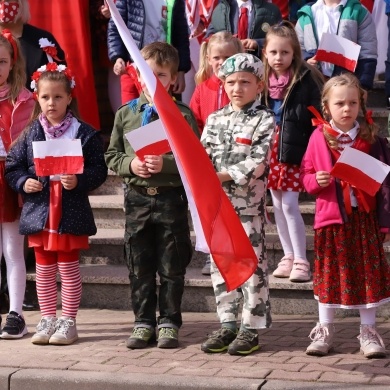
x=45, y=329
x=322, y=336
x=66, y=332
x=284, y=268
x=371, y=344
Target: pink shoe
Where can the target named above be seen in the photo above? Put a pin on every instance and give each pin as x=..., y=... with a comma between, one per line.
x=284, y=268
x=300, y=271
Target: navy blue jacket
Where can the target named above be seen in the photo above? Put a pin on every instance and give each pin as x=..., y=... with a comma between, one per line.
x=133, y=14
x=77, y=217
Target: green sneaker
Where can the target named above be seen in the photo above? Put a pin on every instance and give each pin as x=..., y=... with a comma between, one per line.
x=219, y=340
x=245, y=343
x=141, y=338
x=168, y=338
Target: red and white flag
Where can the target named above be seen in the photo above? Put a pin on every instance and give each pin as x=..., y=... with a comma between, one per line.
x=360, y=170
x=56, y=157
x=149, y=140
x=338, y=51
x=217, y=227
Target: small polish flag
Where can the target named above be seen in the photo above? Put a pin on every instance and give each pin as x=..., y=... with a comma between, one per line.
x=338, y=51
x=244, y=139
x=56, y=157
x=149, y=140
x=360, y=170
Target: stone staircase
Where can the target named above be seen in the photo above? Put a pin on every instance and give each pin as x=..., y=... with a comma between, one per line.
x=105, y=275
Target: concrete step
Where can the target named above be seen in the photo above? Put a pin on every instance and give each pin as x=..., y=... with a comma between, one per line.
x=107, y=287
x=106, y=248
x=376, y=97
x=109, y=214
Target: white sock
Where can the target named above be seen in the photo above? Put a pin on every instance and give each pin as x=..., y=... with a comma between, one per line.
x=326, y=314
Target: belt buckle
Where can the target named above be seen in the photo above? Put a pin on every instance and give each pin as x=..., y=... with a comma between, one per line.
x=151, y=191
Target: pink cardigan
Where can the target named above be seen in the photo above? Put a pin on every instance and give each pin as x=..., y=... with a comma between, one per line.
x=318, y=158
x=21, y=113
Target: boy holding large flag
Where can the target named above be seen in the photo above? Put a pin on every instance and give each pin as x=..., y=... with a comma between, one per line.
x=157, y=237
x=237, y=138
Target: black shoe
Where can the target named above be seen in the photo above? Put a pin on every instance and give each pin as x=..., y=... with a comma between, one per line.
x=168, y=338
x=219, y=340
x=245, y=343
x=28, y=306
x=14, y=327
x=141, y=338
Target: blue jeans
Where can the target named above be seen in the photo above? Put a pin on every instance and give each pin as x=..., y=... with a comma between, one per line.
x=387, y=62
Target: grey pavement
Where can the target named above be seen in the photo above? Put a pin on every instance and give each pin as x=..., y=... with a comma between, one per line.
x=100, y=360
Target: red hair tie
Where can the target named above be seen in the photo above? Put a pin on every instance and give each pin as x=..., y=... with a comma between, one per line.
x=368, y=117
x=9, y=37
x=319, y=120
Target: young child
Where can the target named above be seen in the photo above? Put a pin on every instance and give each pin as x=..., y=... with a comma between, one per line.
x=348, y=19
x=157, y=236
x=209, y=94
x=248, y=19
x=237, y=138
x=350, y=270
x=16, y=105
x=56, y=214
x=290, y=86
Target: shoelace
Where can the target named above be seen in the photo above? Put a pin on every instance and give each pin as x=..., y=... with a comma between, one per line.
x=371, y=335
x=320, y=333
x=245, y=335
x=168, y=332
x=62, y=325
x=43, y=325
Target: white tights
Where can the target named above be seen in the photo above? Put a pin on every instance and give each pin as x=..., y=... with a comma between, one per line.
x=12, y=247
x=289, y=222
x=326, y=315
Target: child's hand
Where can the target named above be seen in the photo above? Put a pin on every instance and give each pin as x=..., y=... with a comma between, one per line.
x=69, y=181
x=387, y=237
x=32, y=185
x=154, y=163
x=119, y=66
x=312, y=61
x=323, y=178
x=249, y=44
x=139, y=168
x=180, y=83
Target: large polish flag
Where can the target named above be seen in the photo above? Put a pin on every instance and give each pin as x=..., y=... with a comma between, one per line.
x=149, y=140
x=338, y=51
x=56, y=157
x=360, y=170
x=217, y=227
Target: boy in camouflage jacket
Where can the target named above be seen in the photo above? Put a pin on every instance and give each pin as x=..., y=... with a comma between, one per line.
x=237, y=138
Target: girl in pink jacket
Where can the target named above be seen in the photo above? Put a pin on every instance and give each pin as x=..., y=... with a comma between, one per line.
x=350, y=267
x=16, y=105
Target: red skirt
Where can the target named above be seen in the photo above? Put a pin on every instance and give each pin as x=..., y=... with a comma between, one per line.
x=282, y=176
x=9, y=206
x=350, y=267
x=49, y=238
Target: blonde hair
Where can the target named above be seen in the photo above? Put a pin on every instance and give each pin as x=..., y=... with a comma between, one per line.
x=17, y=75
x=286, y=30
x=56, y=76
x=220, y=38
x=24, y=11
x=369, y=129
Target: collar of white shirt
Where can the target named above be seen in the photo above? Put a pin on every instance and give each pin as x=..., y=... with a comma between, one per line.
x=352, y=133
x=246, y=4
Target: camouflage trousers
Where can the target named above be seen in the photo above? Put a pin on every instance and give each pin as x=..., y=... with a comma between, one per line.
x=157, y=241
x=254, y=293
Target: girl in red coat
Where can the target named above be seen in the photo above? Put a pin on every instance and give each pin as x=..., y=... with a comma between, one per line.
x=16, y=105
x=209, y=94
